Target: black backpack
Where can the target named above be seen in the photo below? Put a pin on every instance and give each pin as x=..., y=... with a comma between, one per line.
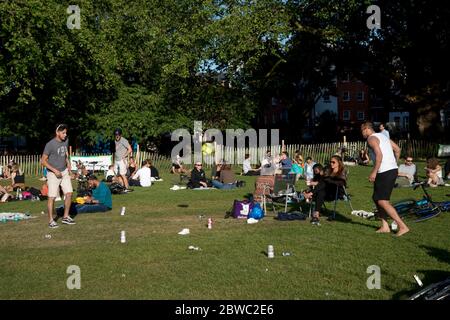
x=116, y=188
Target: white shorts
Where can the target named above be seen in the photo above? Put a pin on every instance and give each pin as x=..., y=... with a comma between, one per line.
x=54, y=183
x=122, y=167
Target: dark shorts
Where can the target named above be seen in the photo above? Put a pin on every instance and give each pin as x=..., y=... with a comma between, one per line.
x=384, y=184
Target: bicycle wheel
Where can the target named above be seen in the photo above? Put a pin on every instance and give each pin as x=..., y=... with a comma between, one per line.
x=435, y=291
x=404, y=207
x=426, y=214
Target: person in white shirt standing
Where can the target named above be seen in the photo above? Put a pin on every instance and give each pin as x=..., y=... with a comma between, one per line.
x=384, y=131
x=383, y=175
x=143, y=176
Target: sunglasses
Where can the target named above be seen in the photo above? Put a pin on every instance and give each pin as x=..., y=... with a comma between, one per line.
x=198, y=165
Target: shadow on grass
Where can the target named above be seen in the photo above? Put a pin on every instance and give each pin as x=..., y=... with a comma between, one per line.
x=430, y=277
x=440, y=254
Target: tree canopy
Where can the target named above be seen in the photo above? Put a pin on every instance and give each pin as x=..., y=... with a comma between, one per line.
x=150, y=67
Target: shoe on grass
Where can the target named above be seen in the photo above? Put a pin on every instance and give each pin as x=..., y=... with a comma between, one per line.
x=53, y=225
x=68, y=220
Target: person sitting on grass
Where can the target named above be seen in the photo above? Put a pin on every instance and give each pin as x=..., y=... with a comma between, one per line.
x=142, y=178
x=297, y=166
x=285, y=162
x=198, y=177
x=100, y=201
x=4, y=195
x=363, y=157
x=132, y=167
x=247, y=167
x=434, y=173
x=177, y=166
x=406, y=173
x=154, y=173
x=111, y=175
x=227, y=179
x=316, y=187
x=215, y=170
x=309, y=173
x=17, y=177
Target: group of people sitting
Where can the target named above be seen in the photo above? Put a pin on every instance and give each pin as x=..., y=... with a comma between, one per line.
x=281, y=164
x=407, y=172
x=17, y=180
x=222, y=177
x=142, y=177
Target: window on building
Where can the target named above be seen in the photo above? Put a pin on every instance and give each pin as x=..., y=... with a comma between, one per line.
x=346, y=96
x=406, y=123
x=360, y=116
x=360, y=96
x=274, y=102
x=346, y=76
x=326, y=97
x=346, y=115
x=285, y=116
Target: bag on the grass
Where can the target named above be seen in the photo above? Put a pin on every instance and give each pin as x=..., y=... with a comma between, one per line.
x=241, y=209
x=26, y=195
x=72, y=211
x=35, y=192
x=257, y=212
x=116, y=188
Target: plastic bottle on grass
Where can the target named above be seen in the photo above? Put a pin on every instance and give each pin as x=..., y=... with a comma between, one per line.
x=270, y=253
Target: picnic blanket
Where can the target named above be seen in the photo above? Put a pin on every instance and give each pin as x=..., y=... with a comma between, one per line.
x=10, y=216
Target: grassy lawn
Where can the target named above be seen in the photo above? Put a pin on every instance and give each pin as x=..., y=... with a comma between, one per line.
x=327, y=262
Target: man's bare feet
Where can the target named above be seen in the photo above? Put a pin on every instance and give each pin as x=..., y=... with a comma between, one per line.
x=384, y=230
x=402, y=231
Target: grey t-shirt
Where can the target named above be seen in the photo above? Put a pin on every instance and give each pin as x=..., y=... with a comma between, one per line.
x=411, y=170
x=57, y=151
x=121, y=148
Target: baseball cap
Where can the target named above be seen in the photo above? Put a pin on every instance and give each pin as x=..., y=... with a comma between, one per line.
x=117, y=131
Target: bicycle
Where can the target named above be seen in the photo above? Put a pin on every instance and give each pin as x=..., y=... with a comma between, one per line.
x=435, y=291
x=422, y=209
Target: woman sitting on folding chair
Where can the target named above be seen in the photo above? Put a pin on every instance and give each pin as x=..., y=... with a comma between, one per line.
x=325, y=184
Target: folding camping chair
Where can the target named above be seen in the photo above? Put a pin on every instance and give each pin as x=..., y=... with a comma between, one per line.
x=340, y=194
x=283, y=189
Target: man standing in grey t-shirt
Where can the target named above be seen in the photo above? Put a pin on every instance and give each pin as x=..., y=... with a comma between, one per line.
x=121, y=155
x=56, y=159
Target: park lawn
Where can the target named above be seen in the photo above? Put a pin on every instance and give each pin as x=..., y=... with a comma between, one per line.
x=326, y=262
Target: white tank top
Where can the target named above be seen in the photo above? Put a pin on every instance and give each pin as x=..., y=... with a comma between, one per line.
x=389, y=161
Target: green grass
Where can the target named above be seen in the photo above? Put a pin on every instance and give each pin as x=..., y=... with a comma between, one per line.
x=327, y=262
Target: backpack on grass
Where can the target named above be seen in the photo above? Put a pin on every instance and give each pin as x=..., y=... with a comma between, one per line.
x=116, y=188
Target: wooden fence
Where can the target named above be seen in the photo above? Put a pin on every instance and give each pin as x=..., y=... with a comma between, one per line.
x=321, y=153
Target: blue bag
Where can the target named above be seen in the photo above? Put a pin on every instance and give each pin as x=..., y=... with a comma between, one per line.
x=257, y=212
